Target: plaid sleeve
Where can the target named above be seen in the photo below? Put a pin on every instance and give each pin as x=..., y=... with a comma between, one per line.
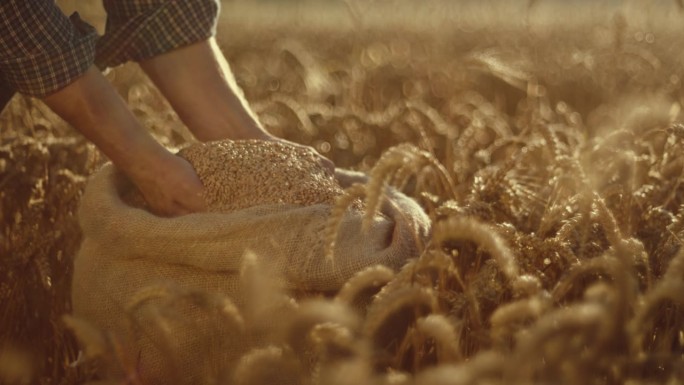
x=140, y=29
x=41, y=50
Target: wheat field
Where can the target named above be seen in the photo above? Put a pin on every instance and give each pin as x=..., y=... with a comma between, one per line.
x=543, y=139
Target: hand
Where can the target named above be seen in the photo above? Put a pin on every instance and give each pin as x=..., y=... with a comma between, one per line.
x=170, y=186
x=197, y=81
x=167, y=182
x=322, y=160
x=326, y=163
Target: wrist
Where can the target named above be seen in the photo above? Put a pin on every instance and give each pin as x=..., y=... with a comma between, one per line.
x=143, y=161
x=93, y=107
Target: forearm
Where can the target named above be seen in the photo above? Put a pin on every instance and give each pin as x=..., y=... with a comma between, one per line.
x=92, y=106
x=197, y=81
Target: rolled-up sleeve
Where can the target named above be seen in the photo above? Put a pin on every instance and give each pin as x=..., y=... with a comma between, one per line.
x=140, y=29
x=42, y=50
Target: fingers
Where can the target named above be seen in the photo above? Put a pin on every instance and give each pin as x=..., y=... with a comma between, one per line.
x=171, y=187
x=194, y=203
x=322, y=160
x=170, y=210
x=186, y=201
x=327, y=164
x=178, y=207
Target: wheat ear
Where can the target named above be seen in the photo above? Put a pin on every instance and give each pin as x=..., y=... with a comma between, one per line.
x=332, y=227
x=672, y=291
x=509, y=318
x=268, y=365
x=399, y=160
x=439, y=328
x=372, y=278
x=484, y=236
x=419, y=301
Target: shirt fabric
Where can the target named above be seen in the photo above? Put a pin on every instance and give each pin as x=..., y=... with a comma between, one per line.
x=42, y=50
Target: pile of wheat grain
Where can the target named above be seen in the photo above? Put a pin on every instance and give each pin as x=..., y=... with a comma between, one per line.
x=246, y=173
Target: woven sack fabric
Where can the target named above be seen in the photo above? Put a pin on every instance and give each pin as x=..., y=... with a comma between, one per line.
x=128, y=255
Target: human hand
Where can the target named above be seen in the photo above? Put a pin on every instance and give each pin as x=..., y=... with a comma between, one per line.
x=170, y=186
x=196, y=79
x=322, y=160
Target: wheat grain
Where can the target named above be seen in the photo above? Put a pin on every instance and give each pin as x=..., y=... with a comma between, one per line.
x=245, y=173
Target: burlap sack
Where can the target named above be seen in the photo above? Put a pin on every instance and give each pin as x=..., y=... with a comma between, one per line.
x=126, y=250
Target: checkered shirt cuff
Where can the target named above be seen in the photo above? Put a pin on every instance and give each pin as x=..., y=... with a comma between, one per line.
x=41, y=49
